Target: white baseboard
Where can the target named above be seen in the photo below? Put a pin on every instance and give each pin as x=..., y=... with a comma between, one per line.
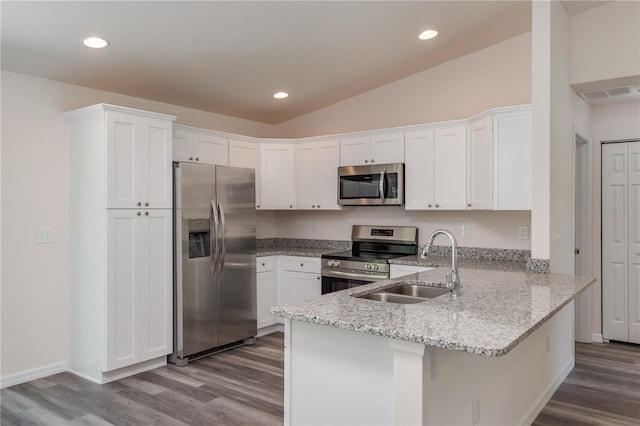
x=542, y=400
x=32, y=374
x=597, y=338
x=270, y=329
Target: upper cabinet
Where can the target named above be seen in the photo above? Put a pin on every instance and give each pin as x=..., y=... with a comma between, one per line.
x=480, y=164
x=512, y=143
x=199, y=146
x=377, y=148
x=246, y=154
x=138, y=163
x=436, y=168
x=316, y=174
x=277, y=176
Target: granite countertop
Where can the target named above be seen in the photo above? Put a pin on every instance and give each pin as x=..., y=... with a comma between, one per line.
x=293, y=251
x=463, y=262
x=495, y=311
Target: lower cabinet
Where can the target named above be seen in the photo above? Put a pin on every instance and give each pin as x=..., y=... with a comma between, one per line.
x=267, y=289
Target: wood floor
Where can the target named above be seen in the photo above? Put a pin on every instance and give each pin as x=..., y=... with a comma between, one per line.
x=244, y=386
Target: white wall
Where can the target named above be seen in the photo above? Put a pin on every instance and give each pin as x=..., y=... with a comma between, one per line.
x=496, y=76
x=488, y=228
x=34, y=277
x=608, y=122
x=605, y=42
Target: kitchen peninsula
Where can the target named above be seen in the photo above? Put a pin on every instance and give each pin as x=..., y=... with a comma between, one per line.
x=493, y=356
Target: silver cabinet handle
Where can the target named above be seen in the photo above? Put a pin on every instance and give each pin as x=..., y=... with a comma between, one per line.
x=146, y=204
x=469, y=205
x=138, y=213
x=146, y=213
x=366, y=161
x=429, y=205
x=138, y=204
x=301, y=264
x=317, y=278
x=223, y=238
x=373, y=161
x=213, y=223
x=437, y=205
x=190, y=158
x=197, y=158
x=318, y=205
x=257, y=206
x=290, y=206
x=263, y=264
x=381, y=184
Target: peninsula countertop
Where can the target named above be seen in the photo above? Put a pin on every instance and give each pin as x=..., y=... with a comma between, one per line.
x=495, y=311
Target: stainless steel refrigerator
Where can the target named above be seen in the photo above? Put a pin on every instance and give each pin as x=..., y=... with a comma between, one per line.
x=214, y=259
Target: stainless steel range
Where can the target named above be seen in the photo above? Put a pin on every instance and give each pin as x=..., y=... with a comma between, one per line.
x=367, y=262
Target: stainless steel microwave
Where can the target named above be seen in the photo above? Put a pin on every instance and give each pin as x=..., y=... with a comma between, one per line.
x=373, y=185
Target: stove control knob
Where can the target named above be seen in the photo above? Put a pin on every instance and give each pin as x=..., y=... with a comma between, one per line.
x=375, y=267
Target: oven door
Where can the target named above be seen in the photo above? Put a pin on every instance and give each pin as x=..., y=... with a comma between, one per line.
x=336, y=280
x=380, y=184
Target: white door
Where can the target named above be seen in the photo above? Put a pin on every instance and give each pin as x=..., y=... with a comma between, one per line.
x=418, y=170
x=512, y=183
x=387, y=148
x=451, y=168
x=307, y=164
x=480, y=167
x=156, y=283
x=277, y=176
x=182, y=142
x=633, y=215
x=123, y=160
x=328, y=160
x=297, y=286
x=615, y=242
x=210, y=149
x=123, y=318
x=155, y=190
x=267, y=297
x=355, y=150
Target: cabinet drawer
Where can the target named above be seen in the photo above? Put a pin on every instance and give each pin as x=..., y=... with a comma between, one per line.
x=301, y=264
x=264, y=264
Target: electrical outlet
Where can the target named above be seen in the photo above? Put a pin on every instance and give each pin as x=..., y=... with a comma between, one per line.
x=548, y=344
x=523, y=232
x=44, y=236
x=476, y=410
x=556, y=236
x=466, y=230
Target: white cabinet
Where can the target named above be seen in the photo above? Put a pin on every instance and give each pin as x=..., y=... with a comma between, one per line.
x=436, y=168
x=246, y=154
x=199, y=146
x=267, y=290
x=138, y=149
x=397, y=271
x=277, y=176
x=480, y=164
x=316, y=175
x=300, y=278
x=120, y=254
x=139, y=290
x=377, y=148
x=512, y=144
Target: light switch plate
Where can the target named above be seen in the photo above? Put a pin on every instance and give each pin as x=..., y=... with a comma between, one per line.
x=466, y=230
x=523, y=232
x=44, y=236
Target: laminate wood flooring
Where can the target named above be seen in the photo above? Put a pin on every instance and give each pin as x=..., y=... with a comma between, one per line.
x=245, y=386
x=602, y=389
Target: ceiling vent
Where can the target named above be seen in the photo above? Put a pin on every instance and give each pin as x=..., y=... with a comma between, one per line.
x=620, y=93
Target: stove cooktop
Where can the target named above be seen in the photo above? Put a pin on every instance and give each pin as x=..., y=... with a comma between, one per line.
x=370, y=257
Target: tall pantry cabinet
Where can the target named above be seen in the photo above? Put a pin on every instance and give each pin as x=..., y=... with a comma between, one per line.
x=120, y=241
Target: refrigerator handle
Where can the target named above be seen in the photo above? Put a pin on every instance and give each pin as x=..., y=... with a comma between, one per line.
x=223, y=250
x=214, y=239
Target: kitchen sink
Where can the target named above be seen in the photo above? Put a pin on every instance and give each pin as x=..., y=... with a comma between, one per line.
x=405, y=293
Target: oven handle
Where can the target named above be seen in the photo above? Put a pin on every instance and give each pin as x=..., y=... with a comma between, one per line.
x=381, y=183
x=353, y=275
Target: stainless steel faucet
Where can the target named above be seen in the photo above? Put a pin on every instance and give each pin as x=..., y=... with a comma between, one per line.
x=453, y=279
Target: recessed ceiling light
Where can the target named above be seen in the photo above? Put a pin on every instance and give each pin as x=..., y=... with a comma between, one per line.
x=428, y=34
x=95, y=42
x=280, y=95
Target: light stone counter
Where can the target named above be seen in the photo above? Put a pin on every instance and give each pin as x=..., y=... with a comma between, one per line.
x=495, y=312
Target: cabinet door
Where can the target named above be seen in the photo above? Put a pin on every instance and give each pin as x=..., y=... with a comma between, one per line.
x=155, y=190
x=156, y=283
x=306, y=155
x=123, y=160
x=267, y=297
x=277, y=174
x=327, y=161
x=182, y=143
x=355, y=150
x=512, y=187
x=123, y=315
x=246, y=154
x=451, y=168
x=387, y=148
x=210, y=149
x=419, y=171
x=480, y=166
x=297, y=286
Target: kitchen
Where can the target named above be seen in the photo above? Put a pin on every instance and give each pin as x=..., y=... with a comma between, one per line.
x=502, y=77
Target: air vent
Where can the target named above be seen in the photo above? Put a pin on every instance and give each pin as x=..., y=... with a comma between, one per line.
x=614, y=94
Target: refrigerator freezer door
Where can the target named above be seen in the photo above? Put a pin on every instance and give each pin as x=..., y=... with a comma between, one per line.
x=196, y=328
x=237, y=260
